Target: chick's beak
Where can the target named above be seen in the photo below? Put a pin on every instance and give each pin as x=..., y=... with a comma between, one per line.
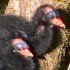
x=26, y=52
x=58, y=21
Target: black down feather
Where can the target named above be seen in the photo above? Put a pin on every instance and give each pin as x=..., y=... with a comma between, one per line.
x=12, y=27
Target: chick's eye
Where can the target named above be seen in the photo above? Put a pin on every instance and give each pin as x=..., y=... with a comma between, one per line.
x=19, y=46
x=51, y=14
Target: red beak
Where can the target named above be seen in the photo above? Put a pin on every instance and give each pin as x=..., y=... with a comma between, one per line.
x=58, y=21
x=25, y=52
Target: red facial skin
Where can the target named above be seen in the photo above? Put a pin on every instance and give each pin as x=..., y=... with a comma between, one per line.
x=56, y=20
x=25, y=51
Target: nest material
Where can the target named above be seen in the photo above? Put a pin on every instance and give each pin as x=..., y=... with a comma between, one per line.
x=52, y=60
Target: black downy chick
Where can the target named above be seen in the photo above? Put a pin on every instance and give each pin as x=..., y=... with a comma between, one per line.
x=11, y=28
x=47, y=30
